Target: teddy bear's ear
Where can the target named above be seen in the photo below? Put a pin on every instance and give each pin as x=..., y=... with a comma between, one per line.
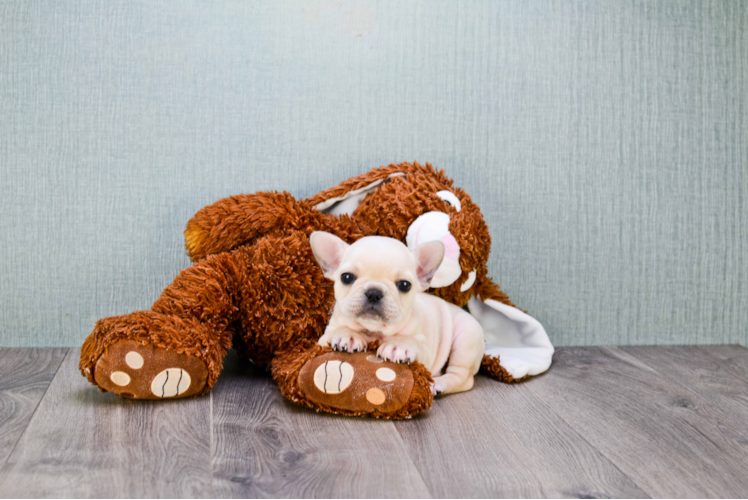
x=517, y=345
x=344, y=198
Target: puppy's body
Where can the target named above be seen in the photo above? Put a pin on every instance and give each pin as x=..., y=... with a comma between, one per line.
x=410, y=325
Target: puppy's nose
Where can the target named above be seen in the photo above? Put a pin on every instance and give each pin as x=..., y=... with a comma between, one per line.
x=373, y=295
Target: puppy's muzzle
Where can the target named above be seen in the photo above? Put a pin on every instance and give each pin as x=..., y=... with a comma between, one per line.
x=373, y=295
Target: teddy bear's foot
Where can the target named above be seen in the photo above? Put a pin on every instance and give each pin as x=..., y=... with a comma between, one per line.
x=355, y=384
x=133, y=370
x=148, y=355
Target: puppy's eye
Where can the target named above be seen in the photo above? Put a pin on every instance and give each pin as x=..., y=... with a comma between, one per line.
x=403, y=286
x=347, y=278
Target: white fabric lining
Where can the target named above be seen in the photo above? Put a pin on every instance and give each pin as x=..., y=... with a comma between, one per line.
x=469, y=282
x=346, y=204
x=517, y=339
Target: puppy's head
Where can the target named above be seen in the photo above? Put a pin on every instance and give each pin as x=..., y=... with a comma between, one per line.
x=376, y=278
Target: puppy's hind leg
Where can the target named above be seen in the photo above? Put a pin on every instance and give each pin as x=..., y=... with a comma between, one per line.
x=457, y=379
x=464, y=359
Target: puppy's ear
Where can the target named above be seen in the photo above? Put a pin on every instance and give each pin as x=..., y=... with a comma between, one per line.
x=328, y=249
x=429, y=257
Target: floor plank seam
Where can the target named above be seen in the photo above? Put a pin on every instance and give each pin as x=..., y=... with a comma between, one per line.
x=415, y=466
x=212, y=446
x=583, y=438
x=31, y=418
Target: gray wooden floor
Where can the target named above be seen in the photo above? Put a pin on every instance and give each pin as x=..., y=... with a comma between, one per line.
x=604, y=422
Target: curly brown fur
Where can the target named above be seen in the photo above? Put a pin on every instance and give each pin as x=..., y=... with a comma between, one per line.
x=240, y=220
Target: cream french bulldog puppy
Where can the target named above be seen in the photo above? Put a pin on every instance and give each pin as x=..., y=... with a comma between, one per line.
x=378, y=292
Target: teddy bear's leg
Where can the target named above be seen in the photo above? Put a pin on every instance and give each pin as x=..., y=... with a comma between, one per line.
x=177, y=348
x=284, y=297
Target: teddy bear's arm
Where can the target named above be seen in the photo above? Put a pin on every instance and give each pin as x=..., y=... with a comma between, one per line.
x=240, y=219
x=487, y=289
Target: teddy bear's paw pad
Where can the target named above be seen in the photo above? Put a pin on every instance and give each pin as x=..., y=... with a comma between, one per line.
x=133, y=370
x=333, y=376
x=357, y=382
x=171, y=382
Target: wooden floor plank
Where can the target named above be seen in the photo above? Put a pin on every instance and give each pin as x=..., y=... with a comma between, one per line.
x=25, y=375
x=733, y=359
x=500, y=440
x=658, y=432
x=719, y=374
x=83, y=443
x=265, y=446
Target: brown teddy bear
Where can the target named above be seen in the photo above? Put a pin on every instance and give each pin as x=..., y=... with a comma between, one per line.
x=255, y=286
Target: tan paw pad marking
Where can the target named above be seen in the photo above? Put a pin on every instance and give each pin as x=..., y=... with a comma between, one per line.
x=134, y=360
x=374, y=358
x=171, y=382
x=386, y=374
x=333, y=377
x=375, y=396
x=120, y=378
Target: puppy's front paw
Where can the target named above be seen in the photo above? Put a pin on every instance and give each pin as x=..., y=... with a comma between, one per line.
x=398, y=352
x=437, y=388
x=349, y=342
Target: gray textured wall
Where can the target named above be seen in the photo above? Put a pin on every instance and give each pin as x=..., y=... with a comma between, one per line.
x=605, y=141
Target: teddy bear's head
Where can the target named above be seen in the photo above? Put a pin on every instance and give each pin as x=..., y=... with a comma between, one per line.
x=416, y=203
